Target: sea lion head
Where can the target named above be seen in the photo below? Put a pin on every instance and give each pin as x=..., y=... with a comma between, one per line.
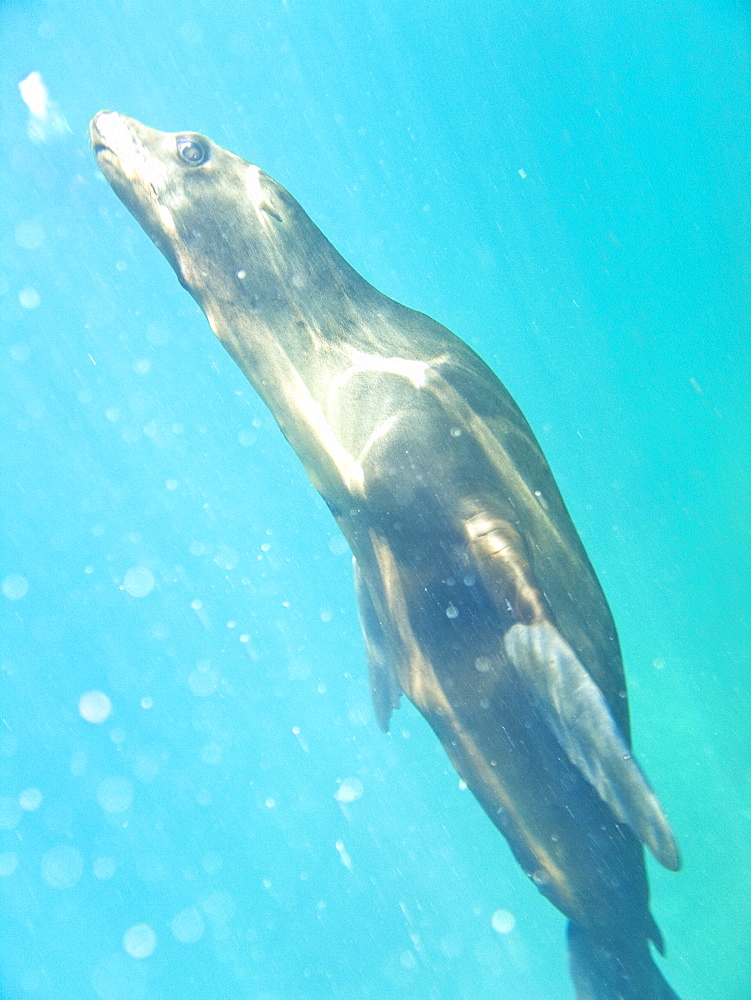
x=233, y=235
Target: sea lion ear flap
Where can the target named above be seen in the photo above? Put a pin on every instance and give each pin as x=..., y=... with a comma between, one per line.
x=384, y=684
x=575, y=710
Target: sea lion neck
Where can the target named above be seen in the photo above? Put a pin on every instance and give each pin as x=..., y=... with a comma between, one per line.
x=238, y=241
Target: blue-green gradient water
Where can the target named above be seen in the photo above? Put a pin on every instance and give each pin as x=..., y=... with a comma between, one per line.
x=566, y=186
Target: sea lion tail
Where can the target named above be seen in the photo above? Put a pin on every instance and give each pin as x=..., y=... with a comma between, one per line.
x=624, y=970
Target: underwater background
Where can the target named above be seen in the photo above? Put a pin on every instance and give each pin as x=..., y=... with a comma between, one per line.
x=195, y=799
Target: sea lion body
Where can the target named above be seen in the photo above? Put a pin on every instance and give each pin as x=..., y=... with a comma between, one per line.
x=476, y=597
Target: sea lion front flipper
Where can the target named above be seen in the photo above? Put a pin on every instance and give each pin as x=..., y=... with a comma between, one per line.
x=576, y=711
x=384, y=684
x=569, y=701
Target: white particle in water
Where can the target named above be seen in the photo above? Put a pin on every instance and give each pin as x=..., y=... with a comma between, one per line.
x=116, y=977
x=138, y=582
x=145, y=767
x=503, y=922
x=78, y=764
x=30, y=799
x=344, y=857
x=187, y=926
x=104, y=868
x=20, y=352
x=203, y=680
x=350, y=790
x=139, y=941
x=10, y=813
x=226, y=557
x=157, y=335
x=29, y=235
x=220, y=907
x=451, y=946
x=62, y=867
x=15, y=586
x=212, y=862
x=114, y=795
x=247, y=438
x=338, y=545
x=29, y=298
x=94, y=706
x=8, y=863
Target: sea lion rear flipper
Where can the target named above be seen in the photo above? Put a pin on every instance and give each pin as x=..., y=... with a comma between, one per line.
x=569, y=701
x=384, y=684
x=602, y=972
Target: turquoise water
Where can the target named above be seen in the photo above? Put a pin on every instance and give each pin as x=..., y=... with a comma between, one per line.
x=563, y=184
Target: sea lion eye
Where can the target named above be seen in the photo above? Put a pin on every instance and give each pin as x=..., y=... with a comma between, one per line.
x=191, y=150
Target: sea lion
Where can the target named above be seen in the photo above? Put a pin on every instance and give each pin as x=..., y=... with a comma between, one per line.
x=476, y=597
